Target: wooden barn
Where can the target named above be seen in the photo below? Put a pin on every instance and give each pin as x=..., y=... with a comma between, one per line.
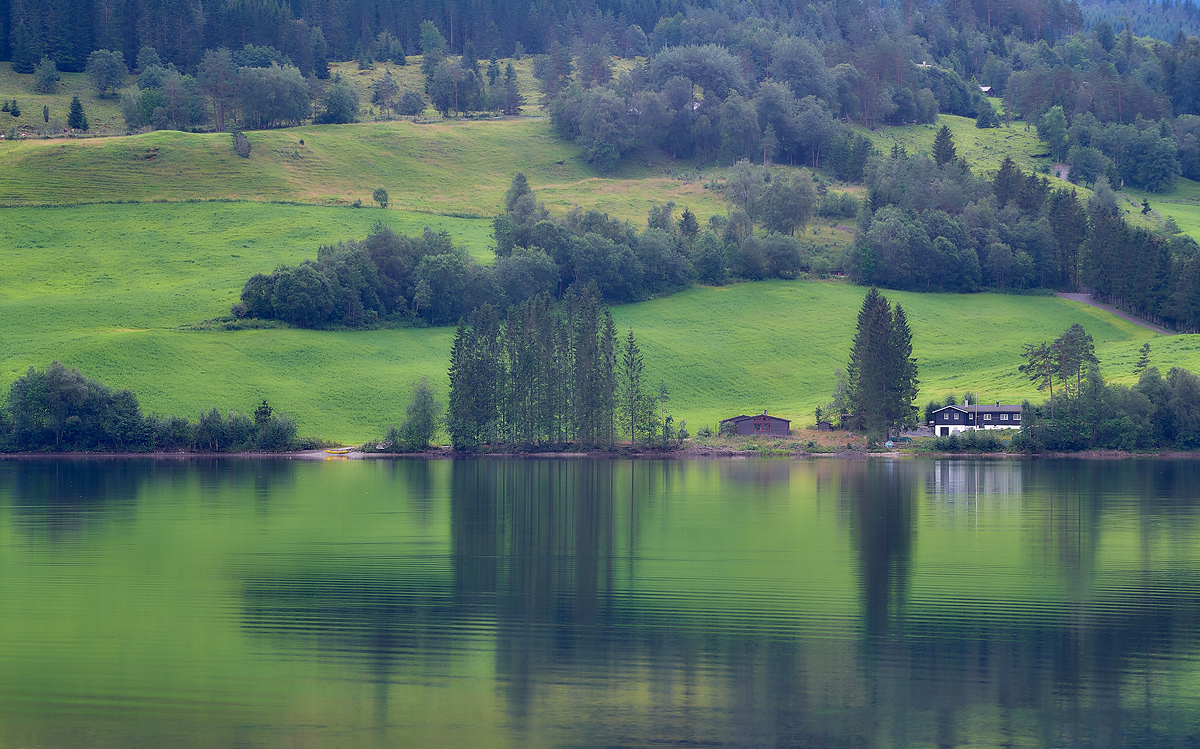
x=761, y=424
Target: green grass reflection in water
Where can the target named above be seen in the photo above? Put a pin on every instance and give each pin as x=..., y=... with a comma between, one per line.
x=564, y=602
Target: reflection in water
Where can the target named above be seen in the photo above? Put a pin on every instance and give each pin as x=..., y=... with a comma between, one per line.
x=740, y=603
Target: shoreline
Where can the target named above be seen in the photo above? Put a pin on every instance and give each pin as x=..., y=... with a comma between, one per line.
x=695, y=452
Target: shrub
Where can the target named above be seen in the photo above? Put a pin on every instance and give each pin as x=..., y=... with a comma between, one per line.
x=240, y=145
x=46, y=77
x=411, y=103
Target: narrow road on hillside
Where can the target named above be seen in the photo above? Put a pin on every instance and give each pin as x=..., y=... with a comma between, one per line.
x=1087, y=299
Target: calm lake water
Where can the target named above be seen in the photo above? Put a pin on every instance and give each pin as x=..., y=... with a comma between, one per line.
x=825, y=603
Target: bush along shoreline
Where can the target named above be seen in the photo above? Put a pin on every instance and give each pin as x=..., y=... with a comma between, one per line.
x=59, y=410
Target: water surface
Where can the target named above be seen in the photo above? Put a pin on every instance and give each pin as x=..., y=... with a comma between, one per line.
x=599, y=603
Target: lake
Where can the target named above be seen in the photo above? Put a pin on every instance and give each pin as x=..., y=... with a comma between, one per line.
x=561, y=602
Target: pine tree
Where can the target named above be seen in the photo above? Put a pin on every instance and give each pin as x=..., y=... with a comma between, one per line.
x=608, y=378
x=1007, y=183
x=943, y=147
x=689, y=227
x=76, y=119
x=1038, y=368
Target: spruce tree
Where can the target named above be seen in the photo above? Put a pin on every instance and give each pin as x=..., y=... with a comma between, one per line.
x=943, y=147
x=1143, y=361
x=26, y=51
x=76, y=119
x=632, y=396
x=881, y=375
x=1007, y=183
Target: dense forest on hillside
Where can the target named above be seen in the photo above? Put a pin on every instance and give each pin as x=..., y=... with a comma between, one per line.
x=1162, y=19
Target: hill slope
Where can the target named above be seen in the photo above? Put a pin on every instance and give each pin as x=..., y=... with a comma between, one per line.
x=105, y=288
x=447, y=167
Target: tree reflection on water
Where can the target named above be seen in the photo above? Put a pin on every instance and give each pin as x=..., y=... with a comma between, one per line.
x=558, y=564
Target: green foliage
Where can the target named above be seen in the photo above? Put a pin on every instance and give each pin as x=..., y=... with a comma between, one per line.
x=46, y=77
x=881, y=376
x=59, y=409
x=107, y=70
x=987, y=117
x=339, y=106
x=380, y=196
x=76, y=119
x=423, y=415
x=540, y=379
x=278, y=96
x=943, y=147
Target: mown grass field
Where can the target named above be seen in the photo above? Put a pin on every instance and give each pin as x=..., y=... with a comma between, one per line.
x=106, y=289
x=446, y=167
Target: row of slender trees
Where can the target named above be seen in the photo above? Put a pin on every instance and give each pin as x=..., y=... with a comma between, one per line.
x=546, y=376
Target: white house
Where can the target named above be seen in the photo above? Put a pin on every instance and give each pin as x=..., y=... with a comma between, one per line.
x=955, y=419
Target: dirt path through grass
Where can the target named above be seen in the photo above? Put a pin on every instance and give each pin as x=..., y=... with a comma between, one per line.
x=1087, y=299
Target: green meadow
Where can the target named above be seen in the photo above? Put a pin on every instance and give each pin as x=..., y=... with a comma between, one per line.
x=111, y=289
x=460, y=168
x=104, y=115
x=984, y=149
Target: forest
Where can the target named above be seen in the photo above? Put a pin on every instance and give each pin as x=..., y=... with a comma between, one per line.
x=714, y=82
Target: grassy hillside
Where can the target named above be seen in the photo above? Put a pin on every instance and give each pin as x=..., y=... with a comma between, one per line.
x=445, y=167
x=105, y=288
x=983, y=149
x=104, y=115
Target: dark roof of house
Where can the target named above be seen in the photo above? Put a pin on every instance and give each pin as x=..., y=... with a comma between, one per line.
x=982, y=409
x=744, y=417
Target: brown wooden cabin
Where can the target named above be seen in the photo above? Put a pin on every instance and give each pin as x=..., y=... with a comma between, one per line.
x=760, y=424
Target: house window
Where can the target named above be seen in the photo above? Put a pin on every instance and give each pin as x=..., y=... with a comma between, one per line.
x=1016, y=417
x=1003, y=417
x=987, y=417
x=957, y=417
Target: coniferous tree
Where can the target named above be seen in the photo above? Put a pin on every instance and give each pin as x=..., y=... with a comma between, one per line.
x=1143, y=360
x=26, y=51
x=1038, y=367
x=1007, y=183
x=944, y=151
x=632, y=395
x=881, y=375
x=76, y=119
